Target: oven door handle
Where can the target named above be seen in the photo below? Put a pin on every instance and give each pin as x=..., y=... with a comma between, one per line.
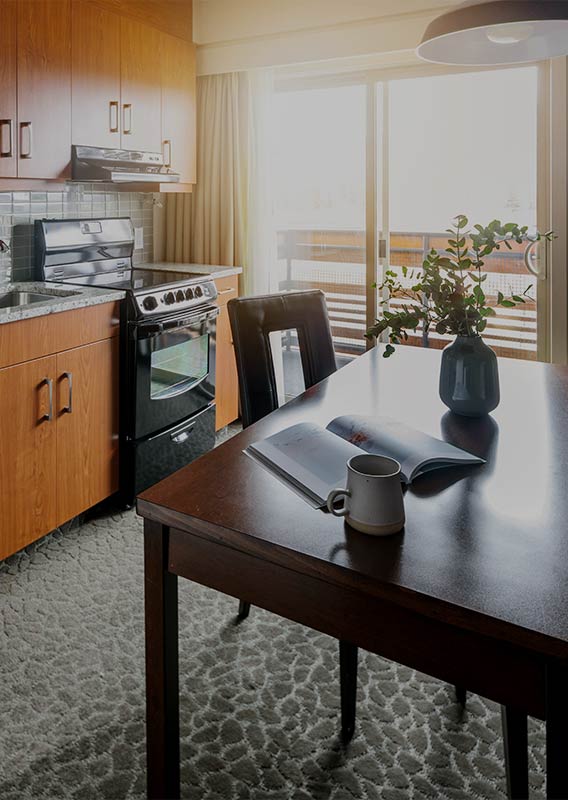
x=155, y=327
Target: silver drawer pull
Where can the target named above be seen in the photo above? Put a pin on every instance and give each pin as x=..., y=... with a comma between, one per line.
x=226, y=291
x=113, y=116
x=127, y=107
x=182, y=436
x=68, y=409
x=26, y=126
x=49, y=383
x=7, y=153
x=167, y=161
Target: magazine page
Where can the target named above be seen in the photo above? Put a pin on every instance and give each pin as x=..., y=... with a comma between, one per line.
x=312, y=460
x=415, y=451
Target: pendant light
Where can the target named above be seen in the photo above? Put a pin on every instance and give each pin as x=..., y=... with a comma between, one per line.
x=499, y=32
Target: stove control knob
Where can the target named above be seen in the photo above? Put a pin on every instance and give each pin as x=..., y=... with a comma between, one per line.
x=169, y=298
x=180, y=297
x=189, y=294
x=150, y=303
x=198, y=291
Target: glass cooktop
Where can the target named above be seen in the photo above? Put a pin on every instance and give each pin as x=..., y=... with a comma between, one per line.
x=146, y=278
x=139, y=279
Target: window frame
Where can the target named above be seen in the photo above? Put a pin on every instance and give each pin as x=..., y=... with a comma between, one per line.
x=552, y=179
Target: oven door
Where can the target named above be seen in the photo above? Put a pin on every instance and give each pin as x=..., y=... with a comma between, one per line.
x=172, y=374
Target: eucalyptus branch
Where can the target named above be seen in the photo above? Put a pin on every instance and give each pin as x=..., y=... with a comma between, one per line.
x=447, y=293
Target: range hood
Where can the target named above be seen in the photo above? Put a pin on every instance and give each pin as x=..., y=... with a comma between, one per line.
x=90, y=164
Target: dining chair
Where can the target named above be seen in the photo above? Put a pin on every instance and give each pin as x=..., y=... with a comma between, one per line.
x=252, y=320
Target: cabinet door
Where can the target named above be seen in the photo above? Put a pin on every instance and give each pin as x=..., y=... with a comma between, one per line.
x=141, y=117
x=87, y=427
x=226, y=377
x=27, y=454
x=178, y=106
x=95, y=76
x=8, y=122
x=44, y=88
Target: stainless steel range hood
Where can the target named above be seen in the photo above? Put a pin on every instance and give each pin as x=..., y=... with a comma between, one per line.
x=90, y=164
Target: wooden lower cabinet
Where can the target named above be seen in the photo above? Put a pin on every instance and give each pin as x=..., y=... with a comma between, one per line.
x=58, y=421
x=87, y=427
x=226, y=378
x=28, y=454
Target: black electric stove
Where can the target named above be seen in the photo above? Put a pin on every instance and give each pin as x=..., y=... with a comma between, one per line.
x=168, y=334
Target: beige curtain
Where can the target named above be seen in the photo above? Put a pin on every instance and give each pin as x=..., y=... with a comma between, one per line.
x=207, y=226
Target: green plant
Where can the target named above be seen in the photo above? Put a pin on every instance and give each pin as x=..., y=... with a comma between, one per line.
x=447, y=293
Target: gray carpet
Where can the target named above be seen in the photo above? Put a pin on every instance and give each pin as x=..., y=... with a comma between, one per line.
x=259, y=701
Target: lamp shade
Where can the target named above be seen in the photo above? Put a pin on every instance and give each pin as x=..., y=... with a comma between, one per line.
x=498, y=32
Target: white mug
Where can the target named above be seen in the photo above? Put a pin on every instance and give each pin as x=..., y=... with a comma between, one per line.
x=373, y=498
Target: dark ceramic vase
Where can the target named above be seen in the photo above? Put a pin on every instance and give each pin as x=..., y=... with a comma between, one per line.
x=469, y=377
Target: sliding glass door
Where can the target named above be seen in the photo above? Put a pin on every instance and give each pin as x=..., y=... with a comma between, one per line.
x=319, y=209
x=467, y=144
x=369, y=171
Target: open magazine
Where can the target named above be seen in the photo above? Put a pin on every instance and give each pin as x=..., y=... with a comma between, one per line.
x=312, y=460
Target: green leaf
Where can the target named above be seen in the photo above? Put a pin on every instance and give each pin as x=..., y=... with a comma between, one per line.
x=479, y=295
x=389, y=350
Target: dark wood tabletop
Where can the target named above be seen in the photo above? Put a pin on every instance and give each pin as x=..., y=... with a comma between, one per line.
x=484, y=545
x=472, y=591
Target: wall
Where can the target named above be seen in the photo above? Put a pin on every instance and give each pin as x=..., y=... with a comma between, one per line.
x=247, y=34
x=19, y=210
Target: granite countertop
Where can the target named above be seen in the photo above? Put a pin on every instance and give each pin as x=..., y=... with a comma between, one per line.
x=66, y=299
x=212, y=270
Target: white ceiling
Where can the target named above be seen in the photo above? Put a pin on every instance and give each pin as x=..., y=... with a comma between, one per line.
x=232, y=20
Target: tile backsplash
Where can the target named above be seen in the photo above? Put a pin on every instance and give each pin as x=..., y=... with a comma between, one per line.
x=19, y=210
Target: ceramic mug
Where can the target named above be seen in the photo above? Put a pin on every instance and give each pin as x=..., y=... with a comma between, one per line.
x=373, y=498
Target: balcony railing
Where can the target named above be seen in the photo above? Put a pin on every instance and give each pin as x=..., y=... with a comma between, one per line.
x=334, y=261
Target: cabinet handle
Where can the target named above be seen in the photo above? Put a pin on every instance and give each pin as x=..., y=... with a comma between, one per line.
x=127, y=107
x=226, y=291
x=113, y=116
x=68, y=409
x=26, y=126
x=168, y=160
x=49, y=383
x=7, y=153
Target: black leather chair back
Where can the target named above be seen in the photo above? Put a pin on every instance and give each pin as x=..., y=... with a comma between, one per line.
x=253, y=319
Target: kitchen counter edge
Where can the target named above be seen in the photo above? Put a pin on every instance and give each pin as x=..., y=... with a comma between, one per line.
x=68, y=299
x=213, y=271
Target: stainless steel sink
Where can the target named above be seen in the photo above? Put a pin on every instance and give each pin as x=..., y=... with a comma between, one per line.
x=16, y=299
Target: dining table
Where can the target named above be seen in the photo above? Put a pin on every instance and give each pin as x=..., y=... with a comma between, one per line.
x=473, y=591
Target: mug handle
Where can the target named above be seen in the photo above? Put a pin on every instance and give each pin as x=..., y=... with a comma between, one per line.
x=333, y=495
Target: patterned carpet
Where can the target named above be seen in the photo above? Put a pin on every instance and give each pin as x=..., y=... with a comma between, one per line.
x=259, y=707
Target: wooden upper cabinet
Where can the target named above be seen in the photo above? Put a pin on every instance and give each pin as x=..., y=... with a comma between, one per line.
x=178, y=106
x=95, y=76
x=28, y=453
x=141, y=107
x=44, y=88
x=8, y=121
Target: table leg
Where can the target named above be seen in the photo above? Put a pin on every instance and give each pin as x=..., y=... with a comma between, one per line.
x=516, y=747
x=348, y=688
x=461, y=695
x=162, y=684
x=556, y=730
x=244, y=610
